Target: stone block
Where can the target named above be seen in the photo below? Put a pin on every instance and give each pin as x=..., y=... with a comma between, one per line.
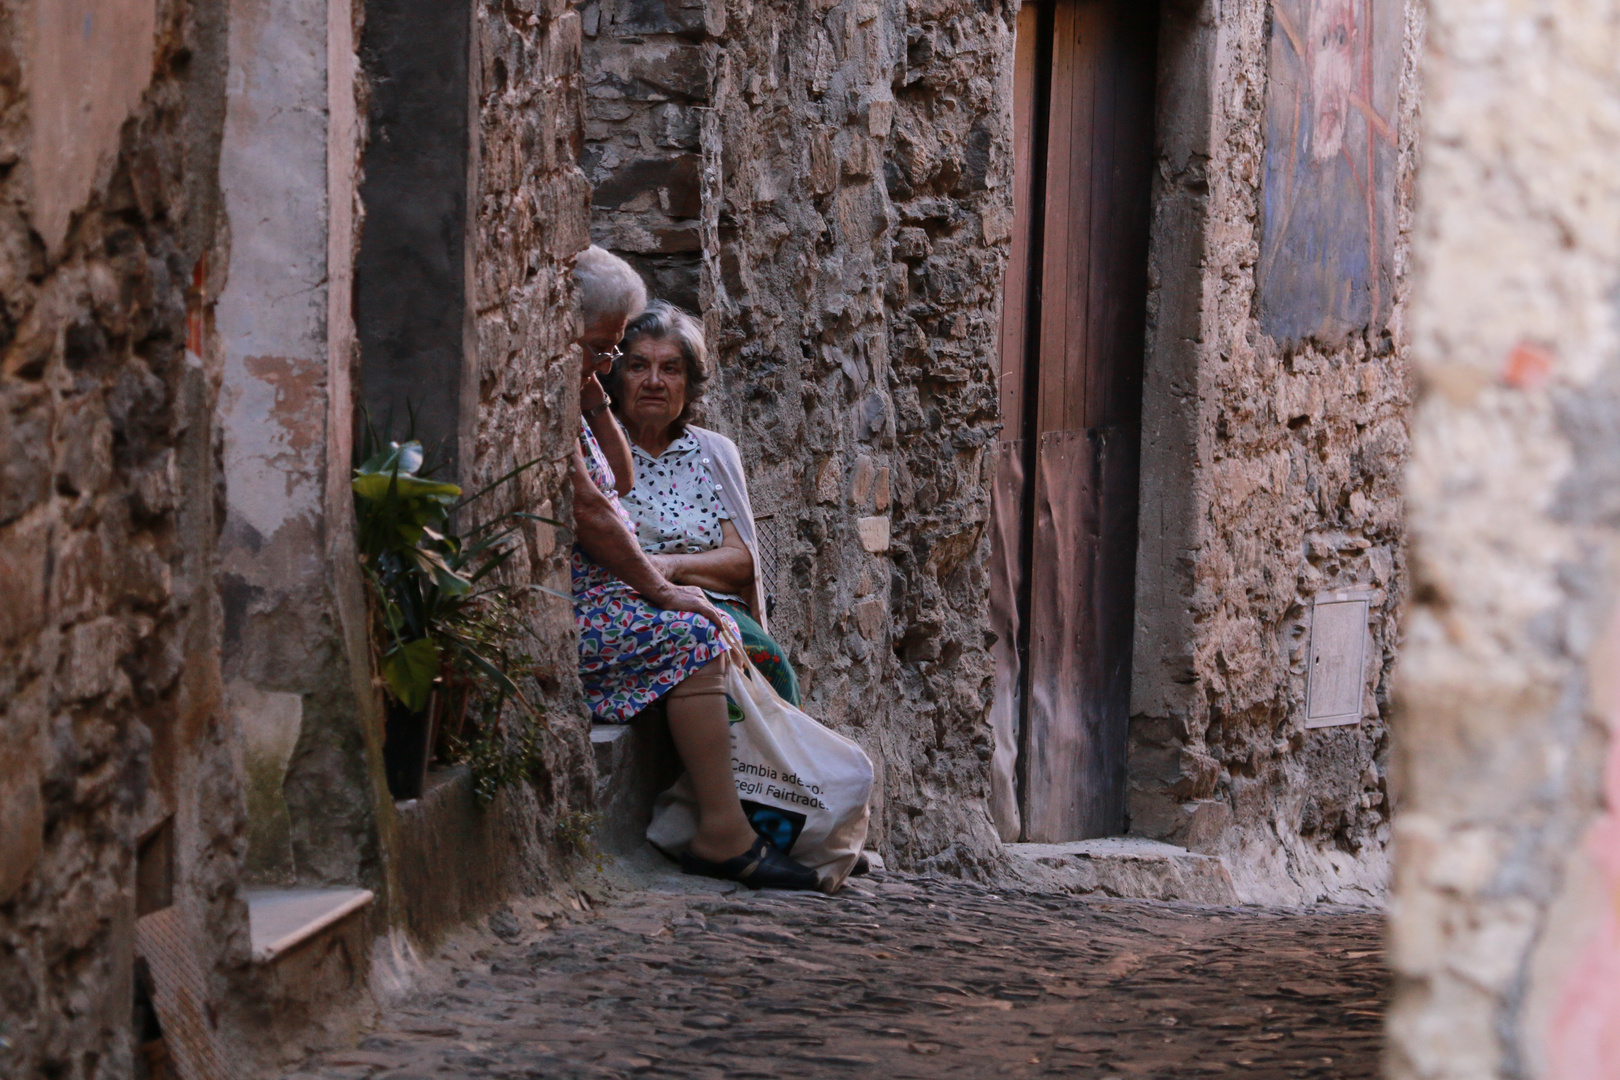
x=827, y=482
x=22, y=807
x=874, y=533
x=870, y=617
x=25, y=469
x=90, y=666
x=23, y=557
x=634, y=762
x=1124, y=866
x=860, y=487
x=633, y=18
x=674, y=182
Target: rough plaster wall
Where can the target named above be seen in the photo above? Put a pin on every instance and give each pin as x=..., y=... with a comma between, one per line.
x=287, y=661
x=1504, y=937
x=532, y=218
x=108, y=622
x=1270, y=474
x=857, y=158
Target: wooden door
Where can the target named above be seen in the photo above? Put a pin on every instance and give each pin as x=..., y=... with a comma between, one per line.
x=1072, y=350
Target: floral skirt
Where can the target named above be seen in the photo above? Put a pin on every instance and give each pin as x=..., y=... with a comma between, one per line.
x=766, y=654
x=632, y=653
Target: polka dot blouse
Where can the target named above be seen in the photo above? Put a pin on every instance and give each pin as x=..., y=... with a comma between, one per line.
x=676, y=502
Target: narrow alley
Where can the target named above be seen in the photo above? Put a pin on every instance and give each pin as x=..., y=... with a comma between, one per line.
x=898, y=976
x=1132, y=486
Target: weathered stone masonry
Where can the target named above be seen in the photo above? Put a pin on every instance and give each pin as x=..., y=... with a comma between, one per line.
x=834, y=176
x=1271, y=474
x=111, y=739
x=842, y=164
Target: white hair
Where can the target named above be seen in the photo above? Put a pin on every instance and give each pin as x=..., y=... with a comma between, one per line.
x=608, y=286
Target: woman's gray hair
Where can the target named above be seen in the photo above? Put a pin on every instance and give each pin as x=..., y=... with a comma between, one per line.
x=663, y=321
x=608, y=286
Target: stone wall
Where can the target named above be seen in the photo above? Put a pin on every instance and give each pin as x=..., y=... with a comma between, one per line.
x=1271, y=474
x=840, y=179
x=111, y=740
x=1507, y=852
x=530, y=218
x=833, y=176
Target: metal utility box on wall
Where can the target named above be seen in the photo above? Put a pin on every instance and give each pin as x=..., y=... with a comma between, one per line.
x=1336, y=679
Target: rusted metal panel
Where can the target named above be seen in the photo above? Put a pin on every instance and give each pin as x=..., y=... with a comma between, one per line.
x=1007, y=584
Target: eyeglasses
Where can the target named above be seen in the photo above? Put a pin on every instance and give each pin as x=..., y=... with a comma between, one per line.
x=610, y=354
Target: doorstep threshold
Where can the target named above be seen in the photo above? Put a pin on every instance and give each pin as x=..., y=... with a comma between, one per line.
x=279, y=919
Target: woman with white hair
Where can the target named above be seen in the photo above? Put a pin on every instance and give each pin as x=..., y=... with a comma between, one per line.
x=690, y=500
x=643, y=638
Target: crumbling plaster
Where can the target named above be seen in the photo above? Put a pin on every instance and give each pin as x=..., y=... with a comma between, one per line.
x=290, y=659
x=1503, y=930
x=1271, y=473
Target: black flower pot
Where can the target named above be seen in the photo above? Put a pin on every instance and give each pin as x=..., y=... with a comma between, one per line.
x=407, y=749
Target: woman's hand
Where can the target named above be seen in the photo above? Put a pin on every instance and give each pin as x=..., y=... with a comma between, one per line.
x=691, y=599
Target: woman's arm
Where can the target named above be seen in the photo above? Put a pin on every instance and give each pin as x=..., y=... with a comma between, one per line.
x=602, y=533
x=728, y=568
x=610, y=436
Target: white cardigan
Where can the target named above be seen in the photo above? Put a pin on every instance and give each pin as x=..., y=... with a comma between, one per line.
x=725, y=464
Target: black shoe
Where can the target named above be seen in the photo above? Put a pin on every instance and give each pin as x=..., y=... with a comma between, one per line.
x=760, y=867
x=863, y=865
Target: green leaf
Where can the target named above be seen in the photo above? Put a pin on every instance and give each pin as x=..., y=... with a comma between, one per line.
x=410, y=670
x=374, y=487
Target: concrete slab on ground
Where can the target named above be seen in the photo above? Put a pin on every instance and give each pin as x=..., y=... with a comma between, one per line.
x=1124, y=866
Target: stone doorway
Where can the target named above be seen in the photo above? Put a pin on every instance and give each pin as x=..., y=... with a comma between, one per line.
x=1066, y=499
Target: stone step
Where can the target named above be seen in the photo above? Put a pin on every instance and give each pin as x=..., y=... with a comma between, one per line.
x=281, y=919
x=1124, y=866
x=634, y=762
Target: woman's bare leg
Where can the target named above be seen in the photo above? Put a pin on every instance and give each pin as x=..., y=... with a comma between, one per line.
x=703, y=739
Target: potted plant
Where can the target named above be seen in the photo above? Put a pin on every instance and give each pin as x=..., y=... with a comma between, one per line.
x=445, y=629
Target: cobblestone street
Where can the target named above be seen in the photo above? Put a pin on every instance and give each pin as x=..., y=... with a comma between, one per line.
x=896, y=977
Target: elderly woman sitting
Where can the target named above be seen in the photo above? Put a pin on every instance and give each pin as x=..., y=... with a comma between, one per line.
x=690, y=499
x=643, y=637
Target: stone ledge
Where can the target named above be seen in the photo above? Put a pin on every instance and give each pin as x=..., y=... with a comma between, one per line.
x=279, y=919
x=457, y=858
x=1124, y=866
x=634, y=762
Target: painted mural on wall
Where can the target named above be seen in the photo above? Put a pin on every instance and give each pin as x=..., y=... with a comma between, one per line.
x=1327, y=260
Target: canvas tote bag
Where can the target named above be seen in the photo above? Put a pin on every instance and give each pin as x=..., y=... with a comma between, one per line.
x=805, y=787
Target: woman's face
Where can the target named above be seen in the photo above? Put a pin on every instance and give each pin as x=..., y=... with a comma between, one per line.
x=652, y=384
x=598, y=342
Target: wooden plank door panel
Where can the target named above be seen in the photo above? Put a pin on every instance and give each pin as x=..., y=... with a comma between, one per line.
x=1065, y=288
x=1015, y=303
x=1008, y=585
x=1008, y=547
x=1091, y=303
x=1059, y=747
